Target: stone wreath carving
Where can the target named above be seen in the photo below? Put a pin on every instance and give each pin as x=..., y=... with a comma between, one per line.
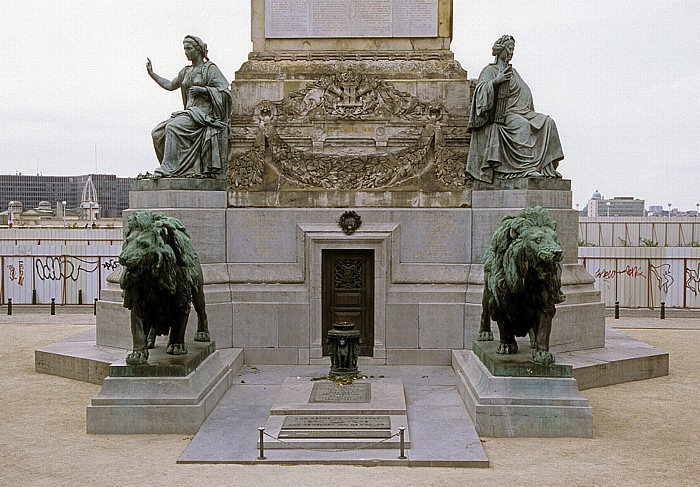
x=311, y=170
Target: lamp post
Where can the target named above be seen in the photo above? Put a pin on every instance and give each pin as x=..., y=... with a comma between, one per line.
x=697, y=210
x=669, y=209
x=608, y=204
x=63, y=203
x=12, y=215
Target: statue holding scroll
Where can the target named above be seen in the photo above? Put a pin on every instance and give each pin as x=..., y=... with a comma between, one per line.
x=194, y=142
x=509, y=139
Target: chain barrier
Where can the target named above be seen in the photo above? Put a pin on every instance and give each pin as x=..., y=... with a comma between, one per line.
x=338, y=450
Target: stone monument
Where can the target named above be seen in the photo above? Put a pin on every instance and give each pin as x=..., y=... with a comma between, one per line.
x=347, y=198
x=354, y=108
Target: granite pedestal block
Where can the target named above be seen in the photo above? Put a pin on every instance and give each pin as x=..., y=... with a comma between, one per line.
x=170, y=394
x=505, y=406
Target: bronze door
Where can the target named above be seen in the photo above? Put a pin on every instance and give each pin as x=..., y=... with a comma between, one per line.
x=348, y=293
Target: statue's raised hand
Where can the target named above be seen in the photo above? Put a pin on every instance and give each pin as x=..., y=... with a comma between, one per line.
x=149, y=66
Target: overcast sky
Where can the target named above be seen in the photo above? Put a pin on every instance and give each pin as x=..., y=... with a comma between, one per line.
x=620, y=78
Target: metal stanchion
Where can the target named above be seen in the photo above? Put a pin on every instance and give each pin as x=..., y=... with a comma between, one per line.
x=53, y=306
x=94, y=307
x=617, y=310
x=80, y=296
x=9, y=306
x=262, y=443
x=402, y=430
x=33, y=296
x=663, y=310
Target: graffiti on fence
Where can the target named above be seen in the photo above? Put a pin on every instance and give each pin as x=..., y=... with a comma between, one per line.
x=693, y=281
x=631, y=271
x=663, y=276
x=111, y=264
x=17, y=273
x=57, y=268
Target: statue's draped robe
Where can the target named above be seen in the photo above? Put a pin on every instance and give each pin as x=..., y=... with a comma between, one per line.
x=526, y=142
x=194, y=141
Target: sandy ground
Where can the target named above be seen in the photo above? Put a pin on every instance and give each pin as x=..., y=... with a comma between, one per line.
x=645, y=433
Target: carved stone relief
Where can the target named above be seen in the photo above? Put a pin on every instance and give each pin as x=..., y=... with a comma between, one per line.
x=335, y=133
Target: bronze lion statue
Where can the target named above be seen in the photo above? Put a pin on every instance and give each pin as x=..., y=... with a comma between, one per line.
x=522, y=282
x=161, y=275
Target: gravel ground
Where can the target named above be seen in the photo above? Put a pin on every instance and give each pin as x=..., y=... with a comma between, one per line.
x=644, y=433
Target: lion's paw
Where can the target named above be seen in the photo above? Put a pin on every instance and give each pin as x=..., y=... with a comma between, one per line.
x=137, y=357
x=176, y=349
x=485, y=336
x=507, y=348
x=202, y=336
x=544, y=357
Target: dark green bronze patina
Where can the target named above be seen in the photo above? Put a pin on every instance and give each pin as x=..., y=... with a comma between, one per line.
x=161, y=276
x=522, y=282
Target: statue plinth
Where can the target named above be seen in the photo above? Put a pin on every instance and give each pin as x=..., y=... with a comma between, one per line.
x=518, y=364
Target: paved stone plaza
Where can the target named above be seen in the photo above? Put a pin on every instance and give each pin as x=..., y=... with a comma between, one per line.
x=644, y=433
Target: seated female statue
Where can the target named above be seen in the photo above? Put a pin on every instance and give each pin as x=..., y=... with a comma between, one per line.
x=509, y=138
x=194, y=142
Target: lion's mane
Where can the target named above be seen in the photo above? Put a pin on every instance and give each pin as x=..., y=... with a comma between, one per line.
x=160, y=268
x=522, y=269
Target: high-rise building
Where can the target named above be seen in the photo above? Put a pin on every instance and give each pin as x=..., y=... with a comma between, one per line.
x=112, y=193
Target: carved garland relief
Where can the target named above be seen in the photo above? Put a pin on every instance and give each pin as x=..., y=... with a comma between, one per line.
x=347, y=98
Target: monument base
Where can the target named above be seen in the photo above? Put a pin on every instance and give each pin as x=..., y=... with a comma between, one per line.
x=504, y=406
x=171, y=394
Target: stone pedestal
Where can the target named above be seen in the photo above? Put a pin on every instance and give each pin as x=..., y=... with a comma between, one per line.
x=324, y=415
x=170, y=394
x=529, y=404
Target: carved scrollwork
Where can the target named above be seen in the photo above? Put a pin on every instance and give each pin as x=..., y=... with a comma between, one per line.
x=347, y=274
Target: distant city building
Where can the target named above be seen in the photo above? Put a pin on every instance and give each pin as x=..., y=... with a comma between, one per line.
x=618, y=206
x=656, y=209
x=111, y=192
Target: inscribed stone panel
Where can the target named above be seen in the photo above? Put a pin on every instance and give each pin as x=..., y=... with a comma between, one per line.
x=350, y=18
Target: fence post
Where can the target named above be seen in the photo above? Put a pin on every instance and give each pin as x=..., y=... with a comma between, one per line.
x=663, y=310
x=53, y=306
x=9, y=306
x=33, y=296
x=402, y=456
x=262, y=448
x=94, y=307
x=617, y=310
x=80, y=296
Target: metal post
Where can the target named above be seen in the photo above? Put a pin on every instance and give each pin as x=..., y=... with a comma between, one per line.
x=80, y=296
x=402, y=429
x=53, y=306
x=663, y=310
x=94, y=307
x=617, y=310
x=9, y=306
x=262, y=443
x=33, y=296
